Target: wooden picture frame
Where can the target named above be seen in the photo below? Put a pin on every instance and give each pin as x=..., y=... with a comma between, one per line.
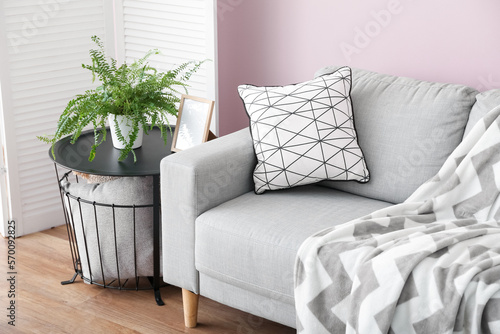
x=193, y=122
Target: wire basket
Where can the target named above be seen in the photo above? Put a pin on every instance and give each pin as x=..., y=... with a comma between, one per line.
x=111, y=244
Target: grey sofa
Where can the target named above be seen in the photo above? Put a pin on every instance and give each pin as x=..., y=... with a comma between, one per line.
x=223, y=241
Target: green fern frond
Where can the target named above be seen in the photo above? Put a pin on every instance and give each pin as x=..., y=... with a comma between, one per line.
x=137, y=90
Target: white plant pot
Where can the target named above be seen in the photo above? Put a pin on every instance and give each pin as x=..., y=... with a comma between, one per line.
x=125, y=125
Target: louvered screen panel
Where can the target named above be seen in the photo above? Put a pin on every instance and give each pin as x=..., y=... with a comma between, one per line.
x=47, y=43
x=177, y=28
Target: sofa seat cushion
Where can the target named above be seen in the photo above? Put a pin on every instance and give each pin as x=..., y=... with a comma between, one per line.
x=251, y=242
x=406, y=129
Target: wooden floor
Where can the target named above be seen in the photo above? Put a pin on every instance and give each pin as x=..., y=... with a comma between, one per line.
x=43, y=305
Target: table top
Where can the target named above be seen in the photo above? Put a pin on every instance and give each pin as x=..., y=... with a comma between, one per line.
x=76, y=156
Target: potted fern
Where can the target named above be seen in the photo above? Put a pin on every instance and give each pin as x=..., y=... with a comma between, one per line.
x=137, y=96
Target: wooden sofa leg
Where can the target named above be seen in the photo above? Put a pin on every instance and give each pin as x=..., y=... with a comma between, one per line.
x=190, y=305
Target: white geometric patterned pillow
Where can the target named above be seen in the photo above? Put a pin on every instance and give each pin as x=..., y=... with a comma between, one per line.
x=304, y=133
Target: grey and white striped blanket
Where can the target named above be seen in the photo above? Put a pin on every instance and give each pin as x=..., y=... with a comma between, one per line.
x=428, y=265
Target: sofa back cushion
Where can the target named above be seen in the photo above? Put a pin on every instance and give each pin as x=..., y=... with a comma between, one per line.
x=485, y=101
x=406, y=128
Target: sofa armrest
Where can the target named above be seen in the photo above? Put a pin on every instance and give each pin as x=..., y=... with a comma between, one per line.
x=192, y=182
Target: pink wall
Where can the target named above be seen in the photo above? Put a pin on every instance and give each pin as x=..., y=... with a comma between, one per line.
x=277, y=42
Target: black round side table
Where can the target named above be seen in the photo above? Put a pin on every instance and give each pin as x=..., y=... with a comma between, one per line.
x=74, y=157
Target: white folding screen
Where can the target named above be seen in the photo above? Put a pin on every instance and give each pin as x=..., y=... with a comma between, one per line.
x=4, y=206
x=42, y=45
x=181, y=30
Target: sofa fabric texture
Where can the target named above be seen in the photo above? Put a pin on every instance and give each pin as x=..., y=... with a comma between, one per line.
x=248, y=301
x=192, y=182
x=268, y=240
x=227, y=243
x=406, y=129
x=485, y=102
x=304, y=133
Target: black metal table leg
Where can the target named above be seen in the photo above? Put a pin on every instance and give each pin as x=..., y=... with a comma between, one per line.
x=156, y=239
x=72, y=280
